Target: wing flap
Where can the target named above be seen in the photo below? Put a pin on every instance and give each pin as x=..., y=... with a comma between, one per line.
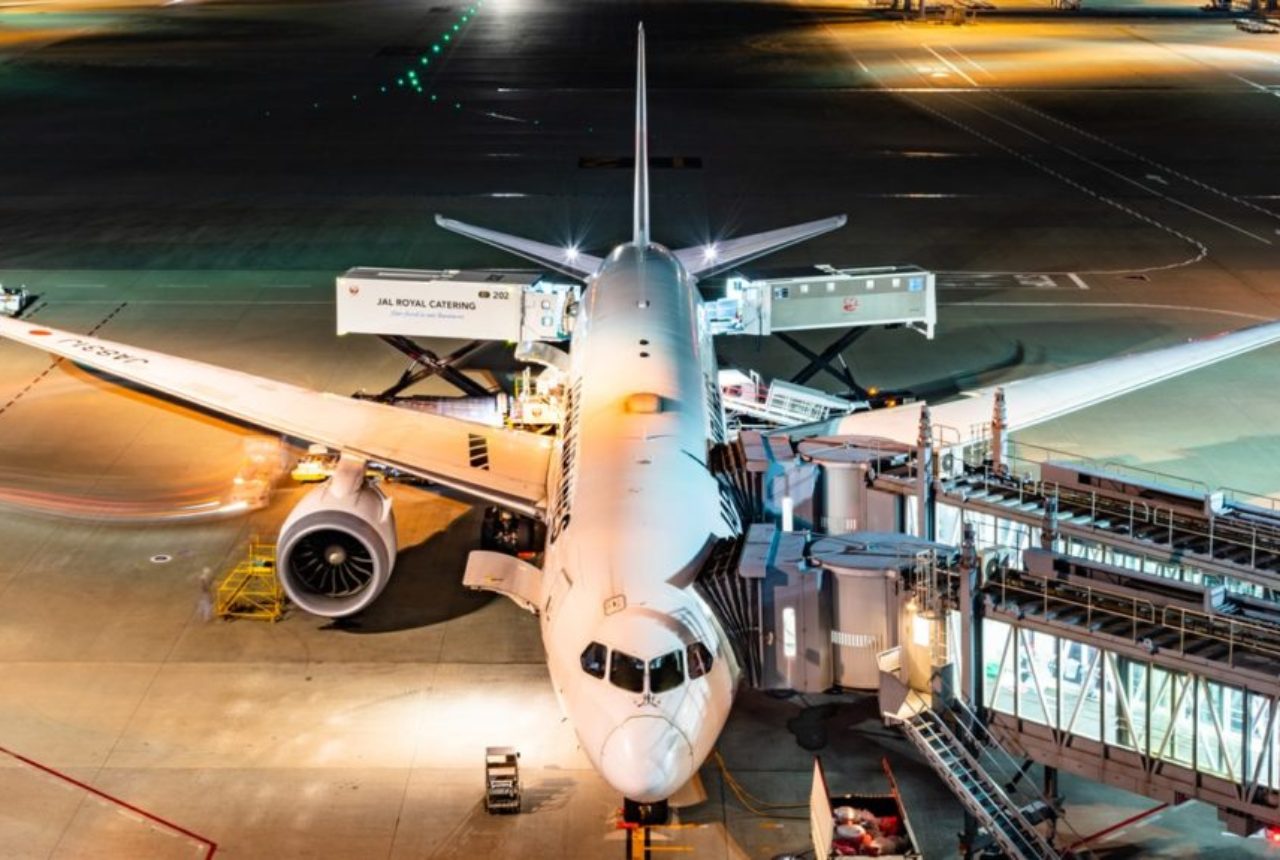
x=1042, y=398
x=504, y=466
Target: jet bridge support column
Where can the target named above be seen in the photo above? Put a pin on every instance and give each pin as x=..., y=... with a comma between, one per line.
x=971, y=607
x=924, y=478
x=999, y=441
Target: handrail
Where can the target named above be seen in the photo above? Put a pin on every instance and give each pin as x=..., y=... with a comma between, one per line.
x=1240, y=632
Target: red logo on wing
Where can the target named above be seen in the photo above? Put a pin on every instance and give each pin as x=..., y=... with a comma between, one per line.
x=353, y=290
x=40, y=332
x=850, y=304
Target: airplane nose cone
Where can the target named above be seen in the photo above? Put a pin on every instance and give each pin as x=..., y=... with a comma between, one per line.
x=647, y=759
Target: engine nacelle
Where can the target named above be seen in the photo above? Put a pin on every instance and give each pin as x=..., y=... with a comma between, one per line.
x=337, y=547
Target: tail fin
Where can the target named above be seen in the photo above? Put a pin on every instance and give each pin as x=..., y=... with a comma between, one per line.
x=640, y=218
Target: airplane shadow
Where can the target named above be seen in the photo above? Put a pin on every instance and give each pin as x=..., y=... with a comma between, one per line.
x=426, y=587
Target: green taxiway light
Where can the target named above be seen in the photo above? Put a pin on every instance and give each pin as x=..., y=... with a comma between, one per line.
x=455, y=28
x=457, y=105
x=383, y=88
x=435, y=49
x=433, y=96
x=399, y=82
x=424, y=59
x=464, y=19
x=446, y=37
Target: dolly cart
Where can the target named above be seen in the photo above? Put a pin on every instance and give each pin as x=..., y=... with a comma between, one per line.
x=501, y=780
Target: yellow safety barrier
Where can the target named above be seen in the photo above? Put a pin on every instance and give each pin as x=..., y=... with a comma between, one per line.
x=251, y=589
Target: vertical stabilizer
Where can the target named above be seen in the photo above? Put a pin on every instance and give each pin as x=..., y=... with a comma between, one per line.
x=641, y=216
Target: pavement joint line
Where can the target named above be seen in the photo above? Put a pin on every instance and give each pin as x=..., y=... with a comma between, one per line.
x=1144, y=159
x=1202, y=249
x=1118, y=175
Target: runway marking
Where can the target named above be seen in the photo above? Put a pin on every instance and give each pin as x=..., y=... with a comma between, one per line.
x=965, y=57
x=123, y=806
x=289, y=286
x=952, y=66
x=1117, y=174
x=1146, y=306
x=181, y=286
x=1202, y=250
x=82, y=286
x=1151, y=162
x=1077, y=280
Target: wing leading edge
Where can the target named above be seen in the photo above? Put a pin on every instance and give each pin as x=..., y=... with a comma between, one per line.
x=1041, y=398
x=502, y=466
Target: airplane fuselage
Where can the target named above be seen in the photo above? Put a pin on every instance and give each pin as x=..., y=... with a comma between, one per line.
x=634, y=514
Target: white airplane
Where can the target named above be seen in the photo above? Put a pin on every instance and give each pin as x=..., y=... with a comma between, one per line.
x=639, y=662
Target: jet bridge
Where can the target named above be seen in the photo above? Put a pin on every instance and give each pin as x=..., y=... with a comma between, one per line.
x=1013, y=608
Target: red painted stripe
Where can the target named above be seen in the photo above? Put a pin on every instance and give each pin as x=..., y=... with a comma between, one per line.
x=212, y=846
x=1119, y=825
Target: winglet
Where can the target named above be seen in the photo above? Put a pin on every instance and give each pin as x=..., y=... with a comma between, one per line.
x=641, y=213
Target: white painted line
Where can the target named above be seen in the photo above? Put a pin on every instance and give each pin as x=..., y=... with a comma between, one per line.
x=82, y=286
x=181, y=286
x=1155, y=177
x=1077, y=280
x=863, y=67
x=1254, y=84
x=964, y=57
x=952, y=66
x=1129, y=305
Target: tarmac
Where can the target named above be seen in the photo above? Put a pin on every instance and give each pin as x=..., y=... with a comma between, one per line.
x=191, y=177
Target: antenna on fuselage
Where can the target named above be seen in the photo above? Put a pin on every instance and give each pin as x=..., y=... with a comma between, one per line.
x=640, y=219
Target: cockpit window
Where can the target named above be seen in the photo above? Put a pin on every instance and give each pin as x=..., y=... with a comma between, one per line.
x=627, y=672
x=699, y=660
x=593, y=659
x=665, y=673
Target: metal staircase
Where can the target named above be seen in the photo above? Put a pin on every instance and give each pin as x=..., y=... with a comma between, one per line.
x=1011, y=827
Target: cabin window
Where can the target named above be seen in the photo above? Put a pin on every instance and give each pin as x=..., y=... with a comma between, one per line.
x=665, y=672
x=593, y=659
x=699, y=660
x=627, y=672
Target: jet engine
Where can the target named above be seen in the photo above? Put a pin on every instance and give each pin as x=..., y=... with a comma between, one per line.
x=337, y=547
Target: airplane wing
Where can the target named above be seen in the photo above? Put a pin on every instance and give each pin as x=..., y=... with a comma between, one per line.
x=506, y=467
x=1041, y=398
x=705, y=260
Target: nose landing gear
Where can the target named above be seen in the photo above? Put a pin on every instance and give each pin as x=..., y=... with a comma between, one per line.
x=645, y=814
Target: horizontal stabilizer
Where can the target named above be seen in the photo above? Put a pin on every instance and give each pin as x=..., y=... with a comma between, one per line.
x=570, y=261
x=704, y=260
x=1041, y=398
